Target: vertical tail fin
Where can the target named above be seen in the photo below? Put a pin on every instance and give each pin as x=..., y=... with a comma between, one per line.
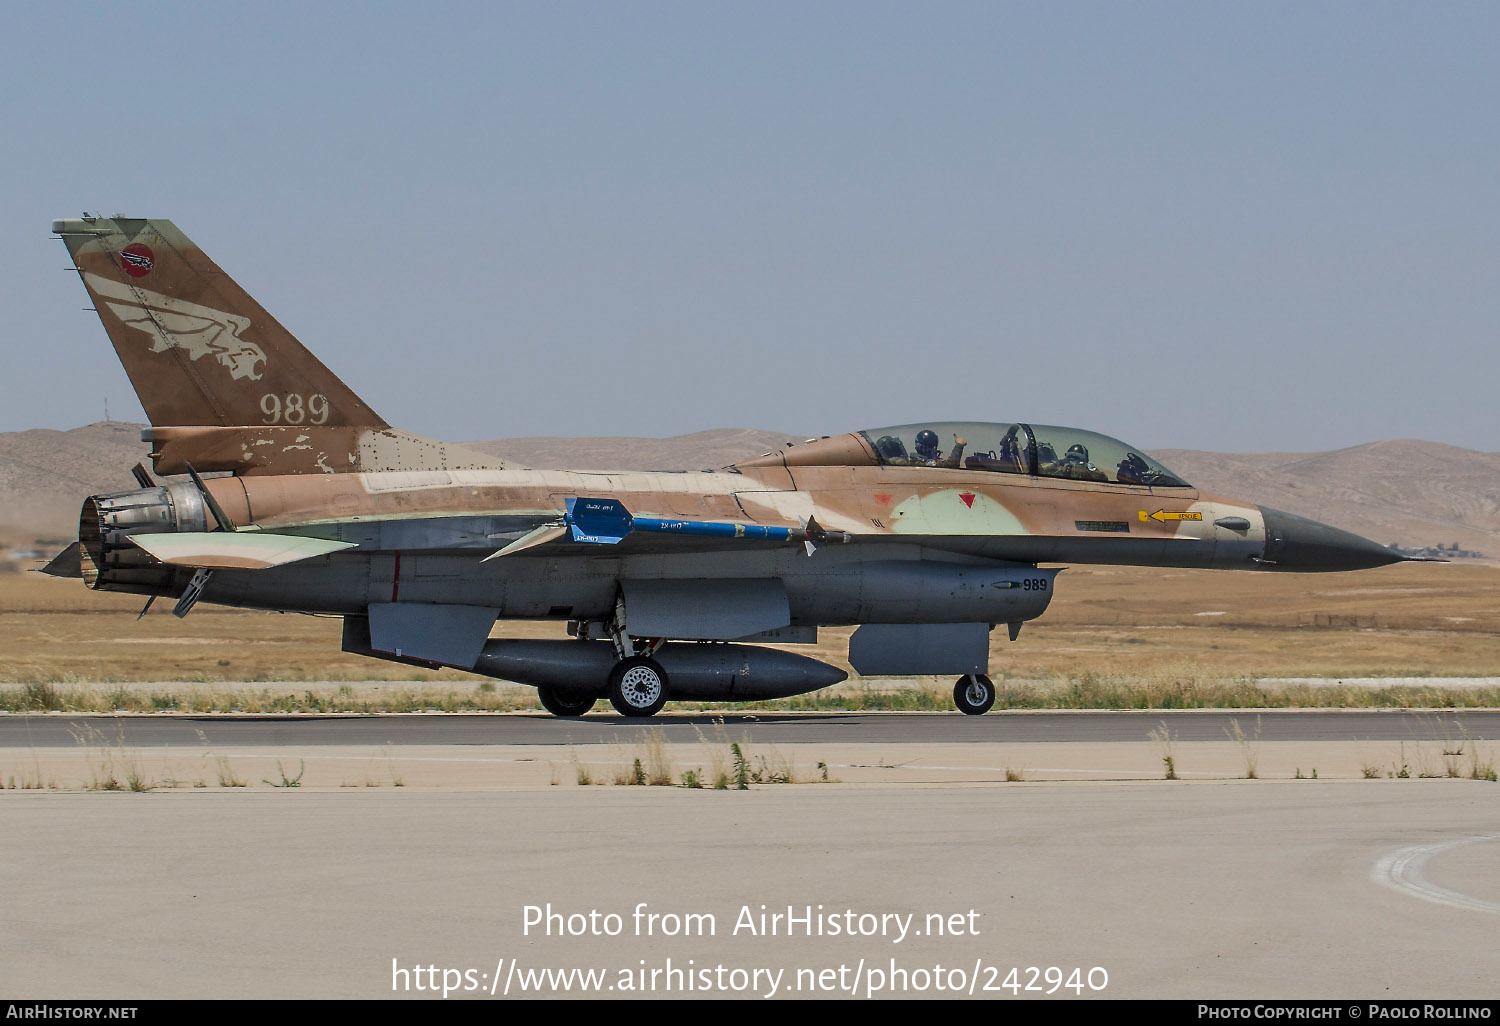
x=198, y=349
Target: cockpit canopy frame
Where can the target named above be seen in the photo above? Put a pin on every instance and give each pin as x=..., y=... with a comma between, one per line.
x=1038, y=450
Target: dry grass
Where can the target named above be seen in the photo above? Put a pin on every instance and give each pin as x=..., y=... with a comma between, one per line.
x=1481, y=764
x=650, y=762
x=112, y=765
x=582, y=774
x=647, y=764
x=1166, y=741
x=1249, y=747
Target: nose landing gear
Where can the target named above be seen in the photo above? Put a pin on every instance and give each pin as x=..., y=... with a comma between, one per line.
x=974, y=694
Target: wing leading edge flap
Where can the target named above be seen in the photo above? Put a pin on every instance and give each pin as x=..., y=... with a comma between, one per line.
x=238, y=550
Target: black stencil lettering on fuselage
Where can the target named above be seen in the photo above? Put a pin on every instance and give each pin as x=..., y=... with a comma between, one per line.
x=1106, y=526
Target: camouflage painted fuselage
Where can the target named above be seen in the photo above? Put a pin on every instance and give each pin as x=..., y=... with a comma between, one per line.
x=423, y=535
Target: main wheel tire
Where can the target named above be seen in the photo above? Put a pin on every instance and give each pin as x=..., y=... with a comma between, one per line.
x=566, y=704
x=637, y=686
x=974, y=694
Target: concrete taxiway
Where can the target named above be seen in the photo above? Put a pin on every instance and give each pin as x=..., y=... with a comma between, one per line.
x=1205, y=889
x=1357, y=865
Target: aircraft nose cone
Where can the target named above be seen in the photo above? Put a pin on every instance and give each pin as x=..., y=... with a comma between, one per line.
x=1297, y=543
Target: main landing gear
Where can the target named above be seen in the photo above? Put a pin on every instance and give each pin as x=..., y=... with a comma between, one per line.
x=637, y=686
x=566, y=704
x=974, y=694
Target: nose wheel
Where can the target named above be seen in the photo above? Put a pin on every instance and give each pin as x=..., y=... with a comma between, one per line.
x=638, y=687
x=974, y=694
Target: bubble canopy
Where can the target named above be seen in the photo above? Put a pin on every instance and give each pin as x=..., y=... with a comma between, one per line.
x=1038, y=450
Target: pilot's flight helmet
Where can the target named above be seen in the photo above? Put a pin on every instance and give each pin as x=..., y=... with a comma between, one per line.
x=889, y=447
x=927, y=444
x=1076, y=454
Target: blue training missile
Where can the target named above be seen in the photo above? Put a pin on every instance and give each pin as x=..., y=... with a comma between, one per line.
x=608, y=522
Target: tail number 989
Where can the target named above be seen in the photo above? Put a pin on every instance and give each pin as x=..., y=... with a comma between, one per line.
x=294, y=408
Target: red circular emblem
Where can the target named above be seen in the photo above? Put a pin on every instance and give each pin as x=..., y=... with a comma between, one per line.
x=137, y=260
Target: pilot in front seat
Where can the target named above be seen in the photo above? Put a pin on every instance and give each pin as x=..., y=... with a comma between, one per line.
x=929, y=455
x=1076, y=465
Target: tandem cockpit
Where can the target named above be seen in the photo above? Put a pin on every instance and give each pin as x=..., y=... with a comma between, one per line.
x=1037, y=450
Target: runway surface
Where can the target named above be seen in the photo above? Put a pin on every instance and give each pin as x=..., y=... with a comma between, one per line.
x=1225, y=889
x=59, y=730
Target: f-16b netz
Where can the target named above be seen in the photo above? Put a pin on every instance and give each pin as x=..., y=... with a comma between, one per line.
x=924, y=536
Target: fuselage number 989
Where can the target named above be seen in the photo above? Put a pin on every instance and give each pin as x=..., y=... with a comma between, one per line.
x=1034, y=584
x=294, y=408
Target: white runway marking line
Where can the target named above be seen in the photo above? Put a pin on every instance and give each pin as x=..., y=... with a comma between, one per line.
x=1402, y=870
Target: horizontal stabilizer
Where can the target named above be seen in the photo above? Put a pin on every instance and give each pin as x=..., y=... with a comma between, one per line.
x=240, y=550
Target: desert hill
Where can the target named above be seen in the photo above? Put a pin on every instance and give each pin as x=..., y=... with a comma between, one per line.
x=45, y=475
x=1402, y=491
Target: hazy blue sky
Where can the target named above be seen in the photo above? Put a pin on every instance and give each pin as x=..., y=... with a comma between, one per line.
x=1232, y=226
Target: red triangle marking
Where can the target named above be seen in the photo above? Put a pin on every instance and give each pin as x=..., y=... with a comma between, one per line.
x=884, y=500
x=968, y=498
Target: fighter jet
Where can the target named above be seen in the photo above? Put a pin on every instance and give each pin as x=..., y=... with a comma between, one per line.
x=925, y=536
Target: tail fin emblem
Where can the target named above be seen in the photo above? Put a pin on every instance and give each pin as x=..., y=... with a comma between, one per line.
x=178, y=324
x=137, y=260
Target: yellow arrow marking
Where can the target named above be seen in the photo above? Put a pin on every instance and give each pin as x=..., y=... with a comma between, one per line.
x=1161, y=516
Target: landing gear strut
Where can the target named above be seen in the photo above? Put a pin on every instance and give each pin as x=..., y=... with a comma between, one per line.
x=974, y=694
x=637, y=686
